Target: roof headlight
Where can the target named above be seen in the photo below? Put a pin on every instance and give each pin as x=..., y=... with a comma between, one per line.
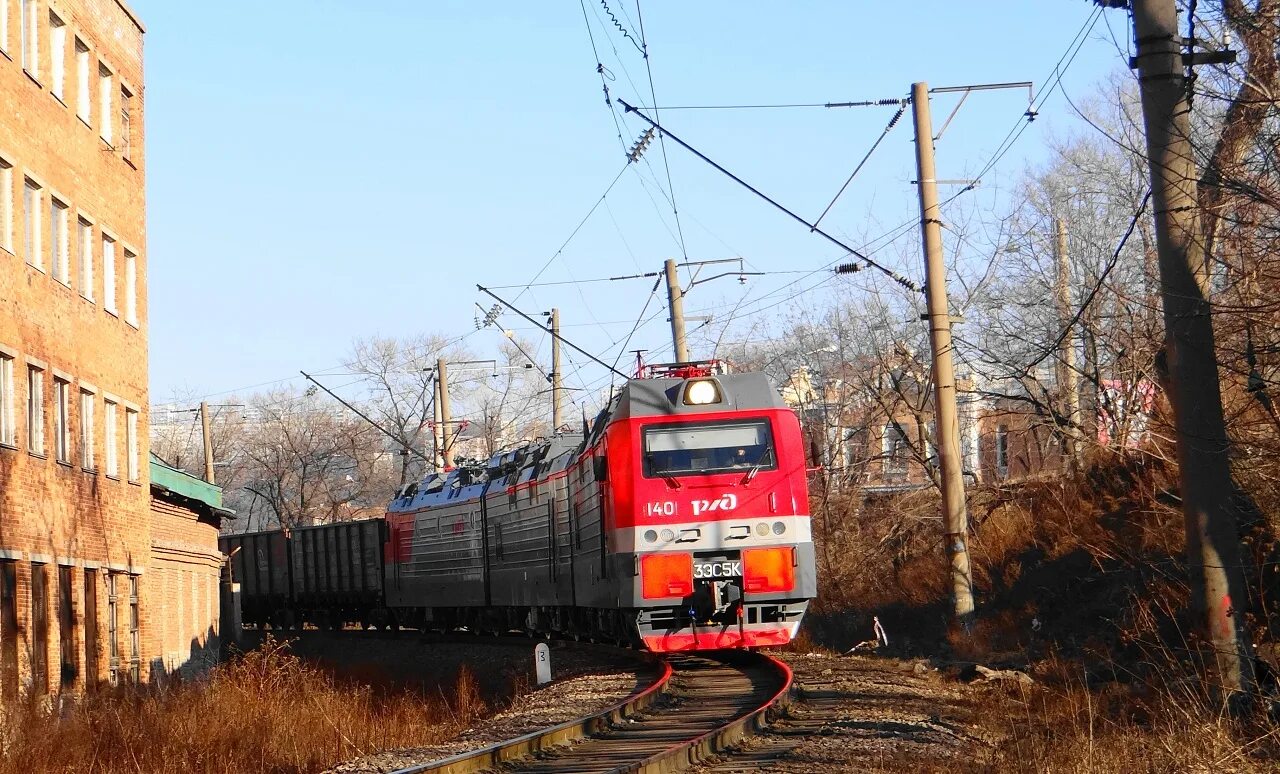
x=700, y=392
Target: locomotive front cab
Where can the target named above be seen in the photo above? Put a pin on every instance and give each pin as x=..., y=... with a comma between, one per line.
x=710, y=506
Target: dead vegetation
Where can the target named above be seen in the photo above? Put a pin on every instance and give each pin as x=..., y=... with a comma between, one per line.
x=1083, y=584
x=264, y=711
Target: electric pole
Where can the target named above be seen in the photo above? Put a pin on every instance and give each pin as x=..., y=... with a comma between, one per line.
x=557, y=394
x=1213, y=544
x=1068, y=377
x=208, y=442
x=955, y=513
x=442, y=382
x=675, y=302
x=437, y=446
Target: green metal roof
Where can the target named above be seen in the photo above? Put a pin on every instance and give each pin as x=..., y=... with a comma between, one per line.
x=185, y=484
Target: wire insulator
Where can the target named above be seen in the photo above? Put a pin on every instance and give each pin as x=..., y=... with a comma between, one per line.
x=848, y=268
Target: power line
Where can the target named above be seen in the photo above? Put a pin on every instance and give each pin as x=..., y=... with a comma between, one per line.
x=662, y=144
x=896, y=277
x=902, y=108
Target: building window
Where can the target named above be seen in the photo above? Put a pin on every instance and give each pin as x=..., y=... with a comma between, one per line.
x=59, y=241
x=31, y=223
x=9, y=627
x=40, y=628
x=135, y=638
x=113, y=624
x=57, y=56
x=84, y=94
x=90, y=627
x=112, y=453
x=895, y=452
x=6, y=205
x=131, y=443
x=62, y=420
x=126, y=122
x=130, y=288
x=109, y=274
x=1002, y=451
x=66, y=626
x=86, y=429
x=35, y=410
x=8, y=432
x=28, y=28
x=84, y=246
x=106, y=93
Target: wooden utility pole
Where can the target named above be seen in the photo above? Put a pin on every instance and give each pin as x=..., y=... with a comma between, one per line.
x=557, y=384
x=675, y=302
x=208, y=443
x=446, y=419
x=1213, y=543
x=955, y=513
x=1068, y=376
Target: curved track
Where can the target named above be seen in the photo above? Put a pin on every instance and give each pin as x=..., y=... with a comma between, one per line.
x=700, y=705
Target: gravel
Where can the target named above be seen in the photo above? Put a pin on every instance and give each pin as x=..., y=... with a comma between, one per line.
x=866, y=714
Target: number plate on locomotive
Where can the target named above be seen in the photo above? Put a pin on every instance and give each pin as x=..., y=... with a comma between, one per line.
x=725, y=569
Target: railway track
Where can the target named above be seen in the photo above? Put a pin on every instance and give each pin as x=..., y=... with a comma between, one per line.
x=698, y=706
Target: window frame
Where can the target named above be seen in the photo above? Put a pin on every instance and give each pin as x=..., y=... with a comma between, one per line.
x=57, y=56
x=764, y=422
x=106, y=103
x=59, y=239
x=29, y=37
x=88, y=455
x=84, y=81
x=8, y=422
x=111, y=438
x=32, y=225
x=62, y=419
x=35, y=409
x=84, y=254
x=109, y=288
x=130, y=285
x=133, y=466
x=6, y=203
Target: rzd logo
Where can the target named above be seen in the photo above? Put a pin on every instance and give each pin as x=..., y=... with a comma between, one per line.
x=726, y=502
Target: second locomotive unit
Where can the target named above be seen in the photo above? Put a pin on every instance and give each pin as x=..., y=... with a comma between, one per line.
x=680, y=521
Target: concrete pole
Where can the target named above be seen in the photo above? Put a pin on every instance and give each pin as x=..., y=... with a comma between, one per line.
x=557, y=382
x=446, y=434
x=675, y=301
x=208, y=443
x=437, y=446
x=1213, y=544
x=1068, y=375
x=955, y=513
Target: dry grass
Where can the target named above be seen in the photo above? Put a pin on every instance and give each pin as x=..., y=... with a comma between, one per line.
x=1081, y=582
x=264, y=711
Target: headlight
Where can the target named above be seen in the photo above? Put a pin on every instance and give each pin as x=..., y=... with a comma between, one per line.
x=762, y=529
x=650, y=535
x=700, y=392
x=779, y=528
x=668, y=536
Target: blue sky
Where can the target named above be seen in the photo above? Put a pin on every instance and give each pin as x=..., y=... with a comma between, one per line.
x=321, y=171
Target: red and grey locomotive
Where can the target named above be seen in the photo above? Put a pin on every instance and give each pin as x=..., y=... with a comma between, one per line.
x=679, y=521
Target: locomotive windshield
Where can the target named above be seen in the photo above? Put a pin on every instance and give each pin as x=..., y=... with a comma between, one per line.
x=710, y=447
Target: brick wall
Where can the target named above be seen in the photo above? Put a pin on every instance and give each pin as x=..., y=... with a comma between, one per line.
x=70, y=513
x=182, y=590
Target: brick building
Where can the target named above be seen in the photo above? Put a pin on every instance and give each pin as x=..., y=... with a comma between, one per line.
x=75, y=503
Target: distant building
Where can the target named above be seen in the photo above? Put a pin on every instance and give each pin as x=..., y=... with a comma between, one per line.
x=76, y=542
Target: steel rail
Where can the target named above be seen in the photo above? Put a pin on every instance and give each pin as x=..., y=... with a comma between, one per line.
x=540, y=750
x=487, y=758
x=684, y=754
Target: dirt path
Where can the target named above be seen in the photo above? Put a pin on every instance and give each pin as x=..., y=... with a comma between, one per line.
x=866, y=714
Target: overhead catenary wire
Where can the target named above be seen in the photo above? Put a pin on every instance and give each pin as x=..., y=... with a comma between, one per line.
x=896, y=277
x=902, y=108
